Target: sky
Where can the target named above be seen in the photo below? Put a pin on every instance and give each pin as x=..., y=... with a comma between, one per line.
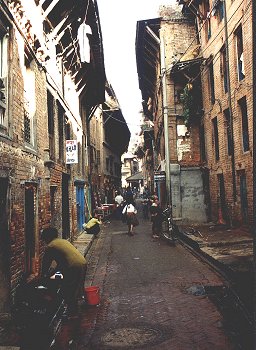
x=118, y=19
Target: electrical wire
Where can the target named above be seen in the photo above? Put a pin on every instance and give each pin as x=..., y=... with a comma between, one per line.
x=229, y=19
x=200, y=29
x=120, y=121
x=204, y=71
x=214, y=60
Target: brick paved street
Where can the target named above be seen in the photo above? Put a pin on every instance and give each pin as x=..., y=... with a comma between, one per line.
x=148, y=296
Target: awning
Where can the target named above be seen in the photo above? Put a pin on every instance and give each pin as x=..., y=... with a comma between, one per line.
x=134, y=178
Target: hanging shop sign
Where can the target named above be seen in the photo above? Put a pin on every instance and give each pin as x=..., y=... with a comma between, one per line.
x=159, y=176
x=71, y=152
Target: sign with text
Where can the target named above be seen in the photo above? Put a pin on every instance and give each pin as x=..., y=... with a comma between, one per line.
x=71, y=152
x=159, y=175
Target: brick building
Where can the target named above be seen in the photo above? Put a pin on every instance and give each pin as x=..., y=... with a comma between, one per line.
x=50, y=83
x=109, y=139
x=53, y=131
x=225, y=34
x=160, y=44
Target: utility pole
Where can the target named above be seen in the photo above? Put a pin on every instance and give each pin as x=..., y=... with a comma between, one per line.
x=254, y=155
x=166, y=122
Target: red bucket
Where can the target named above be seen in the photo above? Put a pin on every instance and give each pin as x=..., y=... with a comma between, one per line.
x=92, y=295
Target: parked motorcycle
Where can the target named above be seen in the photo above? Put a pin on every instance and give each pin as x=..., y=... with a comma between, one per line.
x=38, y=310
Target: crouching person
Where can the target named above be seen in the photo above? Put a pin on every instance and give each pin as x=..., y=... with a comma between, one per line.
x=92, y=226
x=70, y=262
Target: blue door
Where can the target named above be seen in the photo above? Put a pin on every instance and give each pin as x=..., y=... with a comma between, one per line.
x=80, y=207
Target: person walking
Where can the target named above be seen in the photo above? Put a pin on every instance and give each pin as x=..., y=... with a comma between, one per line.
x=145, y=207
x=156, y=217
x=131, y=219
x=69, y=261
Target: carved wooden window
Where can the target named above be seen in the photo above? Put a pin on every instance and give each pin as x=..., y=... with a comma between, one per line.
x=4, y=36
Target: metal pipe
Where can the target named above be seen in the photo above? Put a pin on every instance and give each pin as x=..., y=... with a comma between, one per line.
x=254, y=157
x=152, y=34
x=166, y=121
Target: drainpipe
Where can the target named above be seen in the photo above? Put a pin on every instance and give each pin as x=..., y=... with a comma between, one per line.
x=254, y=157
x=166, y=122
x=230, y=102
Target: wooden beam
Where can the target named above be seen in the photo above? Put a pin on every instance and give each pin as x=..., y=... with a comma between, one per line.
x=50, y=8
x=54, y=34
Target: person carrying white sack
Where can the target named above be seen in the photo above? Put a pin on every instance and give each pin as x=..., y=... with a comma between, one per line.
x=131, y=218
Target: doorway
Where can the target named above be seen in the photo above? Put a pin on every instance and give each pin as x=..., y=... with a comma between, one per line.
x=243, y=195
x=65, y=207
x=222, y=207
x=80, y=207
x=30, y=227
x=4, y=248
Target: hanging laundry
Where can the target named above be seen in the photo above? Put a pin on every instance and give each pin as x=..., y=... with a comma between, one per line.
x=83, y=40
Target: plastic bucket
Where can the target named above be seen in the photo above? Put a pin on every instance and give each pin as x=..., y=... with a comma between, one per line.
x=92, y=295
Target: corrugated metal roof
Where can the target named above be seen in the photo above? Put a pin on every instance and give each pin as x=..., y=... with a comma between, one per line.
x=135, y=177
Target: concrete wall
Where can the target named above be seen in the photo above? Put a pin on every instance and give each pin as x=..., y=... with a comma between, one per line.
x=192, y=195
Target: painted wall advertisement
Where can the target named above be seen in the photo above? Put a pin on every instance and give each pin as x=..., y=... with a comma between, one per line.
x=71, y=152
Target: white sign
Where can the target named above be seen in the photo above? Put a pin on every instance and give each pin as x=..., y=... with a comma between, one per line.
x=71, y=152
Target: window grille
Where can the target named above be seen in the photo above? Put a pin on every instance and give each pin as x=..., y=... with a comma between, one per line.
x=211, y=83
x=3, y=77
x=245, y=127
x=98, y=157
x=229, y=137
x=216, y=138
x=27, y=122
x=240, y=53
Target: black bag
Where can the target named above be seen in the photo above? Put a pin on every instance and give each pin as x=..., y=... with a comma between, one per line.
x=135, y=220
x=124, y=216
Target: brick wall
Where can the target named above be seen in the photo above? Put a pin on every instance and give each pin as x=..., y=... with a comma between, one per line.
x=238, y=13
x=24, y=165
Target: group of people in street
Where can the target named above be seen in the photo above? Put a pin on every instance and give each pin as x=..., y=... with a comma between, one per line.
x=127, y=211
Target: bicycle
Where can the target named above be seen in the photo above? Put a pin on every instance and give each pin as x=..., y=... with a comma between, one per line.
x=169, y=229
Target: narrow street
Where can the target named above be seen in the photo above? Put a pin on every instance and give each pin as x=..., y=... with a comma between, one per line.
x=103, y=102
x=151, y=296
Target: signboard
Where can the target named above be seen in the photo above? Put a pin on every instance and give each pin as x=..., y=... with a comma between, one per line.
x=147, y=126
x=71, y=152
x=159, y=176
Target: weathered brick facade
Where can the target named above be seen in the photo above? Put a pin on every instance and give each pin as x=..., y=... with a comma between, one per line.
x=230, y=176
x=168, y=81
x=40, y=108
x=220, y=137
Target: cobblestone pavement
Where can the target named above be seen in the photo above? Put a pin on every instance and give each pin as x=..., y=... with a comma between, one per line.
x=153, y=296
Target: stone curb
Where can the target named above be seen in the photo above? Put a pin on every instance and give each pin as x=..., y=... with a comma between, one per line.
x=83, y=243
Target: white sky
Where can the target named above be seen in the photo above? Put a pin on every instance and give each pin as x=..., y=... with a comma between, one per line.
x=118, y=19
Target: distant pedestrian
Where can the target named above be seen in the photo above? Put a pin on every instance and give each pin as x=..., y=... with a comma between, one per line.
x=131, y=218
x=119, y=200
x=129, y=196
x=156, y=217
x=145, y=207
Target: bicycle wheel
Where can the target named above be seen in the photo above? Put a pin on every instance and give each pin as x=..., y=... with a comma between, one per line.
x=168, y=231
